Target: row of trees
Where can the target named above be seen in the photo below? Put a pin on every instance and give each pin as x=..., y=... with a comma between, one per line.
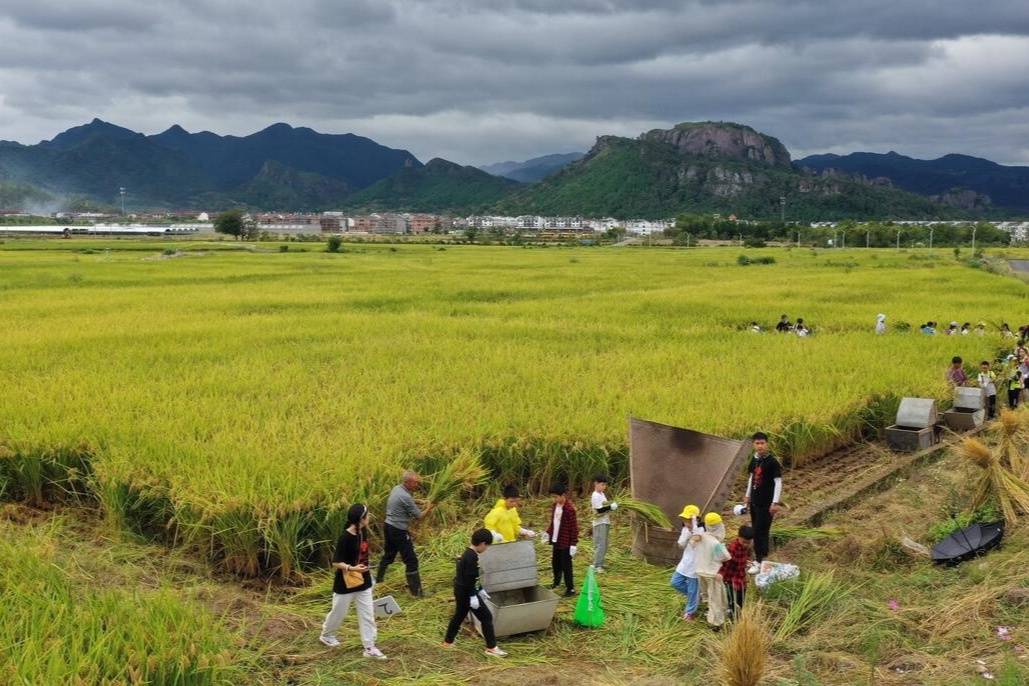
x=690, y=228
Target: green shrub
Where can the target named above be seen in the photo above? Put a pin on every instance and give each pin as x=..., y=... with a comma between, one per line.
x=334, y=244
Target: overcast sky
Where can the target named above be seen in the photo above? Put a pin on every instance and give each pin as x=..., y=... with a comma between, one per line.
x=480, y=81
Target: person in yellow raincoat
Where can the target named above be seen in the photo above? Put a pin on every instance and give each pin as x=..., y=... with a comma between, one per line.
x=503, y=519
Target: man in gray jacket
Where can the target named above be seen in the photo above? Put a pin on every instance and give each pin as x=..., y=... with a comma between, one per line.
x=401, y=510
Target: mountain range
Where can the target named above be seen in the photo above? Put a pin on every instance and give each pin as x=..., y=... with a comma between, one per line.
x=961, y=180
x=277, y=167
x=536, y=169
x=694, y=167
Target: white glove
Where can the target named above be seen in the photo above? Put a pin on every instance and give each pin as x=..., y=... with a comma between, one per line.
x=474, y=602
x=614, y=506
x=572, y=550
x=529, y=533
x=497, y=538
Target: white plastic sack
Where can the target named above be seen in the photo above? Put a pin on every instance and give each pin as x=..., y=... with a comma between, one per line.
x=385, y=607
x=771, y=572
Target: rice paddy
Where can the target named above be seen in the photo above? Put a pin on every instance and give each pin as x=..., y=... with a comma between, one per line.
x=230, y=403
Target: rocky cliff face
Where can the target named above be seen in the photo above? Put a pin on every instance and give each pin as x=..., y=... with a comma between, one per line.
x=963, y=198
x=722, y=140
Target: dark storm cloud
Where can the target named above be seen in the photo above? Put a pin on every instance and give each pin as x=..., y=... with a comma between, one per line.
x=482, y=80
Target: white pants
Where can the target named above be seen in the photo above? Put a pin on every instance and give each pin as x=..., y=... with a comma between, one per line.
x=716, y=600
x=365, y=615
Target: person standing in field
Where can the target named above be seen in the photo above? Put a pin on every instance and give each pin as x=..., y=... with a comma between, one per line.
x=764, y=493
x=709, y=554
x=880, y=324
x=734, y=571
x=468, y=597
x=987, y=380
x=784, y=325
x=956, y=372
x=563, y=536
x=602, y=508
x=1006, y=331
x=352, y=584
x=401, y=511
x=684, y=579
x=1013, y=381
x=504, y=521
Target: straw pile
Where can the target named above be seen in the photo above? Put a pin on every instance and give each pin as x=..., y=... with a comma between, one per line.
x=743, y=653
x=1012, y=430
x=996, y=482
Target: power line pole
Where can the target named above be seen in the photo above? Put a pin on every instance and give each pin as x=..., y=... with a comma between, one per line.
x=974, y=227
x=782, y=208
x=121, y=191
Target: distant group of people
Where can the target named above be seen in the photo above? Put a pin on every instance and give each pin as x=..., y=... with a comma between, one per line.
x=707, y=567
x=1013, y=376
x=784, y=325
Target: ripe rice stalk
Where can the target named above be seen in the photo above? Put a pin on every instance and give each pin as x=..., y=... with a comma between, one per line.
x=462, y=475
x=1012, y=432
x=648, y=511
x=996, y=481
x=743, y=652
x=819, y=596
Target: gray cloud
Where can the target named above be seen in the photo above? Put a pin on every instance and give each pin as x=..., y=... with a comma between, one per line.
x=481, y=80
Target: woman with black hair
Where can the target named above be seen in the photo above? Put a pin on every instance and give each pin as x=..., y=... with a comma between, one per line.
x=353, y=584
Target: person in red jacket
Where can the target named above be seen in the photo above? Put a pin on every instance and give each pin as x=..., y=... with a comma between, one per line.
x=734, y=570
x=563, y=536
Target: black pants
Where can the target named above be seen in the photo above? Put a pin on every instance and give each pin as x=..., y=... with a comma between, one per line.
x=399, y=541
x=991, y=406
x=462, y=606
x=735, y=597
x=1013, y=397
x=561, y=562
x=761, y=520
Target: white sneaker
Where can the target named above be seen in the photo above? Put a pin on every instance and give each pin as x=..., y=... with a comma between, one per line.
x=374, y=652
x=329, y=641
x=495, y=652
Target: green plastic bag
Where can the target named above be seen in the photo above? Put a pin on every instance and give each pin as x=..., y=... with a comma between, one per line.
x=589, y=611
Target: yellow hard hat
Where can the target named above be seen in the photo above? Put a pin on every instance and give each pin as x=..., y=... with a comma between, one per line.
x=712, y=519
x=689, y=511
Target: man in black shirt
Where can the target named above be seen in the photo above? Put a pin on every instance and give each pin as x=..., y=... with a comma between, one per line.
x=468, y=595
x=764, y=493
x=784, y=325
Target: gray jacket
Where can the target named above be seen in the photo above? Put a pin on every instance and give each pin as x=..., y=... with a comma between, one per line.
x=401, y=509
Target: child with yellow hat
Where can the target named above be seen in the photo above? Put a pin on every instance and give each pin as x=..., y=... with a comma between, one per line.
x=709, y=554
x=684, y=579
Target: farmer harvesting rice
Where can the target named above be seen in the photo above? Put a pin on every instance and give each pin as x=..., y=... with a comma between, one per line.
x=401, y=510
x=764, y=493
x=956, y=372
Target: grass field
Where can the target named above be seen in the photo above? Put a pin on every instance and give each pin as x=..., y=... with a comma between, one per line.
x=234, y=399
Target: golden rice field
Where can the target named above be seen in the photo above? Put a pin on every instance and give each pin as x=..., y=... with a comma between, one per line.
x=235, y=399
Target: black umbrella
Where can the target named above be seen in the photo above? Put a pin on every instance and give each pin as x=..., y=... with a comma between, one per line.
x=967, y=543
